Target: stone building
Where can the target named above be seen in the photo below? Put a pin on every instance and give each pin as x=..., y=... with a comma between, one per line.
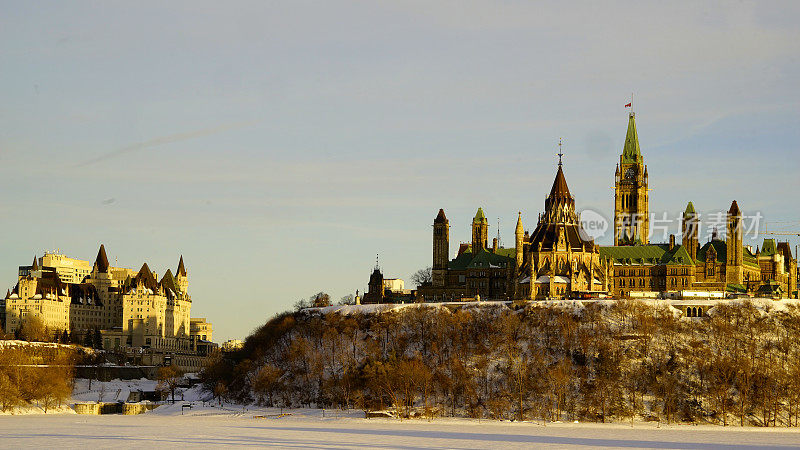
x=555, y=260
x=384, y=290
x=559, y=260
x=132, y=309
x=631, y=201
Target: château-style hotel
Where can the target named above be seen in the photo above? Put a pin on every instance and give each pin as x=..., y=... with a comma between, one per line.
x=132, y=309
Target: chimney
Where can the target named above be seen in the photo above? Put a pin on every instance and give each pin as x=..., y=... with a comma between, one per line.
x=494, y=245
x=671, y=242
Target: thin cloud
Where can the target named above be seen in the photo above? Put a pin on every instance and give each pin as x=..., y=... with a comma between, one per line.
x=165, y=140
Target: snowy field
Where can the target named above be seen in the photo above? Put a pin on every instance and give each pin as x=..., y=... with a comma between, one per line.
x=206, y=425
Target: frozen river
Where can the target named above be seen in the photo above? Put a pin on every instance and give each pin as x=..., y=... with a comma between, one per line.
x=204, y=427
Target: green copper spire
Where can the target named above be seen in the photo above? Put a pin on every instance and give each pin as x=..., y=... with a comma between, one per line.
x=631, y=153
x=689, y=210
x=480, y=217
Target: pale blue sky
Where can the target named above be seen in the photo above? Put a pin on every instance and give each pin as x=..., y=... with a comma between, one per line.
x=280, y=145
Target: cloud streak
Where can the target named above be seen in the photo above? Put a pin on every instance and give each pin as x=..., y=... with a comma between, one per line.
x=162, y=140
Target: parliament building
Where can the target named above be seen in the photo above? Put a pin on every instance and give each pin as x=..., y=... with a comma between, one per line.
x=559, y=260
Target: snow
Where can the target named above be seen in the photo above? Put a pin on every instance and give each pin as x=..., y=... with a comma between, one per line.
x=111, y=391
x=207, y=426
x=8, y=343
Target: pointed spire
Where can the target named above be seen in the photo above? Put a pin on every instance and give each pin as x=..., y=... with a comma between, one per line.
x=480, y=217
x=734, y=211
x=181, y=272
x=616, y=172
x=146, y=277
x=101, y=262
x=440, y=218
x=689, y=210
x=145, y=270
x=35, y=265
x=519, y=229
x=560, y=188
x=631, y=152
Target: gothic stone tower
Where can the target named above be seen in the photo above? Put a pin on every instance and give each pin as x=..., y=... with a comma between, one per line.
x=480, y=232
x=631, y=206
x=689, y=229
x=733, y=240
x=441, y=248
x=181, y=278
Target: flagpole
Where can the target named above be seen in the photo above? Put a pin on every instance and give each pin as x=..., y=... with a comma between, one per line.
x=632, y=111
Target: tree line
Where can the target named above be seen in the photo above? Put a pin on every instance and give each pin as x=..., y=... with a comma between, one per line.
x=33, y=329
x=36, y=375
x=602, y=361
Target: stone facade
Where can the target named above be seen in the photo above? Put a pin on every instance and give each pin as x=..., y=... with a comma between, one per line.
x=132, y=309
x=559, y=260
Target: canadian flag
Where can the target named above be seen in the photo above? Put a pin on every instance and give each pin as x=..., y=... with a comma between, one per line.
x=628, y=105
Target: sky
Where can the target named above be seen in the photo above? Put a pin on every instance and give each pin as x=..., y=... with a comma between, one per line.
x=279, y=146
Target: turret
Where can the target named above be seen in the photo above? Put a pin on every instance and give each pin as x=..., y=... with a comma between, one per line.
x=480, y=231
x=441, y=248
x=519, y=235
x=690, y=228
x=733, y=241
x=631, y=203
x=376, y=293
x=101, y=274
x=181, y=278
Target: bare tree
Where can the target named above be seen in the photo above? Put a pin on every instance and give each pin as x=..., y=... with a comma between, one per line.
x=32, y=328
x=422, y=276
x=168, y=378
x=320, y=300
x=266, y=381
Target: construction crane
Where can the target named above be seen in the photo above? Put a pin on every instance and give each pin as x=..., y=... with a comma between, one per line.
x=783, y=231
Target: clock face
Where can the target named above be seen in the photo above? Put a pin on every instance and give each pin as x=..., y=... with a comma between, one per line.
x=630, y=173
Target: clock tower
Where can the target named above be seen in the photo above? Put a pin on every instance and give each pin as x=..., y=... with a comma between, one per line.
x=631, y=203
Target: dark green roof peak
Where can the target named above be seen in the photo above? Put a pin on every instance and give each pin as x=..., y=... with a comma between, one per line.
x=689, y=210
x=631, y=152
x=480, y=217
x=768, y=247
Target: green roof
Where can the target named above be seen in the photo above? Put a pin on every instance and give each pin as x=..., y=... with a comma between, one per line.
x=631, y=152
x=479, y=216
x=507, y=252
x=460, y=262
x=484, y=258
x=652, y=254
x=689, y=209
x=720, y=248
x=768, y=248
x=736, y=288
x=748, y=258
